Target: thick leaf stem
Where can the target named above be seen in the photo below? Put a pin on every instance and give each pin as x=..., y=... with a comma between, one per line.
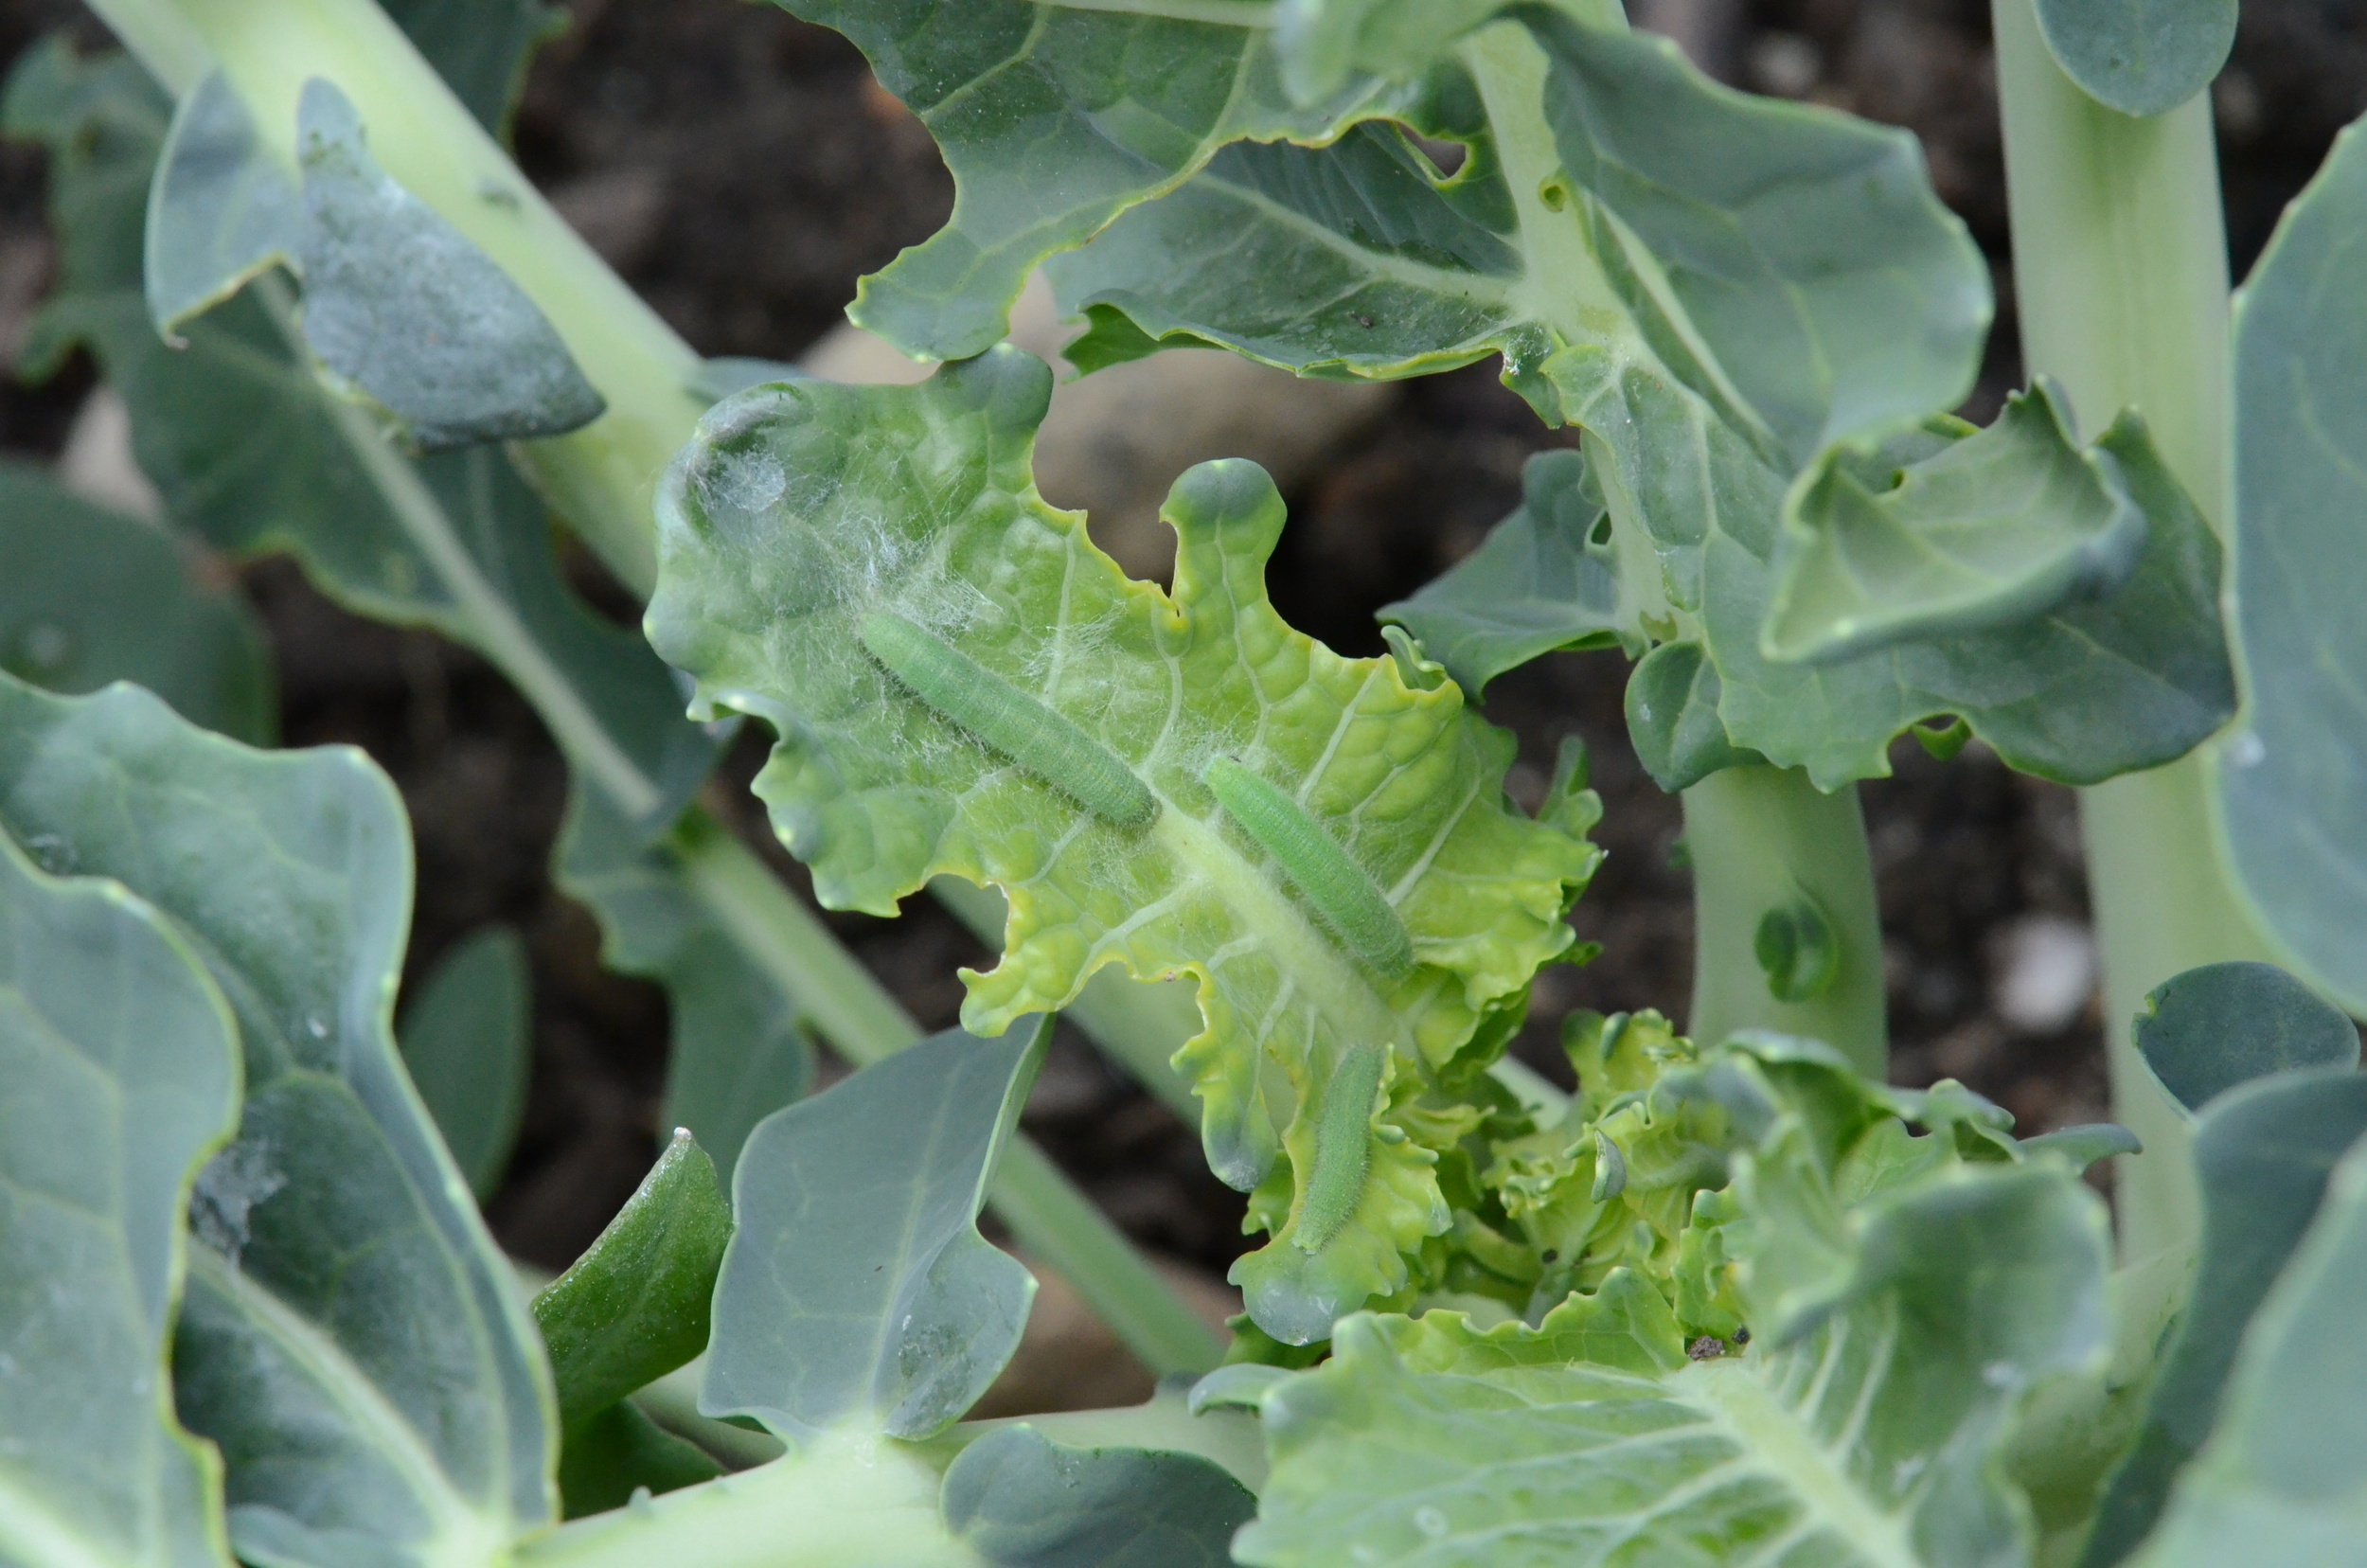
x=2120, y=268
x=1776, y=858
x=1050, y=1220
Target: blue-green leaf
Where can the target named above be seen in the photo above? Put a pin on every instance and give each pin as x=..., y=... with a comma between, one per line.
x=352, y=1339
x=857, y=1292
x=1022, y=1500
x=88, y=596
x=220, y=211
x=2293, y=778
x=2211, y=1028
x=1546, y=578
x=2263, y=1154
x=1053, y=121
x=2283, y=1481
x=120, y=1059
x=2141, y=57
x=401, y=306
x=1672, y=718
x=736, y=1048
x=1957, y=532
x=467, y=1041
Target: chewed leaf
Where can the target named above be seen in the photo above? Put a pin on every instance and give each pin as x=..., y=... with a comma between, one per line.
x=220, y=209
x=806, y=518
x=1951, y=531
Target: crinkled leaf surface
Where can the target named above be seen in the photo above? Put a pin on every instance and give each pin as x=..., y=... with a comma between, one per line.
x=1988, y=531
x=88, y=596
x=467, y=1043
x=2282, y=1481
x=1022, y=1500
x=121, y=1062
x=736, y=1049
x=1714, y=287
x=800, y=509
x=1053, y=121
x=1546, y=578
x=401, y=304
x=2263, y=1155
x=352, y=1338
x=2209, y=1029
x=1900, y=1299
x=856, y=1295
x=2141, y=57
x=2293, y=779
x=248, y=449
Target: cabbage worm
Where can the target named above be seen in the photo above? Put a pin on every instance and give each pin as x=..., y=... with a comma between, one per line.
x=1023, y=728
x=1341, y=1146
x=1347, y=899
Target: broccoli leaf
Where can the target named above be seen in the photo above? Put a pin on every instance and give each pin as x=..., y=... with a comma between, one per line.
x=2293, y=778
x=2284, y=1478
x=2263, y=1155
x=467, y=1046
x=2138, y=59
x=1901, y=1299
x=121, y=1060
x=806, y=517
x=88, y=596
x=2209, y=1029
x=1022, y=1500
x=856, y=1290
x=1546, y=578
x=1992, y=529
x=1053, y=121
x=350, y=1338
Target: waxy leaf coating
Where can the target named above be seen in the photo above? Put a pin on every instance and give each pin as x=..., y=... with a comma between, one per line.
x=802, y=508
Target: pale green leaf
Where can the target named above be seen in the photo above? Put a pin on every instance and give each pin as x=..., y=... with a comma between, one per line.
x=736, y=1049
x=121, y=1062
x=2263, y=1155
x=468, y=1043
x=1022, y=1500
x=804, y=513
x=248, y=449
x=1951, y=531
x=2293, y=778
x=1324, y=42
x=350, y=1338
x=1546, y=578
x=405, y=309
x=856, y=1293
x=2282, y=1481
x=2141, y=57
x=1053, y=121
x=1894, y=1329
x=2209, y=1029
x=88, y=596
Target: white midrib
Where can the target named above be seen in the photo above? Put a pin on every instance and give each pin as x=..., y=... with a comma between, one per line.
x=461, y=1534
x=1730, y=1393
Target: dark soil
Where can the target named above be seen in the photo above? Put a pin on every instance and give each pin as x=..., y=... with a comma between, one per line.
x=741, y=170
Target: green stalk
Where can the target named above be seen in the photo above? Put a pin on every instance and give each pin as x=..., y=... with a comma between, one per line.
x=601, y=479
x=2120, y=268
x=1765, y=842
x=1050, y=1220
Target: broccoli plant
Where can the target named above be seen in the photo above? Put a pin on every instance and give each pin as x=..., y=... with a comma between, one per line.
x=1735, y=1301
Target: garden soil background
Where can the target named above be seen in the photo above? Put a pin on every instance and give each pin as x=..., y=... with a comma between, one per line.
x=741, y=170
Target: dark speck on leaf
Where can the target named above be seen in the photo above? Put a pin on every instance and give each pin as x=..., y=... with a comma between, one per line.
x=1706, y=1348
x=1363, y=321
x=1742, y=1336
x=1549, y=1255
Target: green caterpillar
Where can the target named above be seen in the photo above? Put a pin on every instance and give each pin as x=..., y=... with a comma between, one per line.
x=1341, y=1147
x=1027, y=731
x=1347, y=899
